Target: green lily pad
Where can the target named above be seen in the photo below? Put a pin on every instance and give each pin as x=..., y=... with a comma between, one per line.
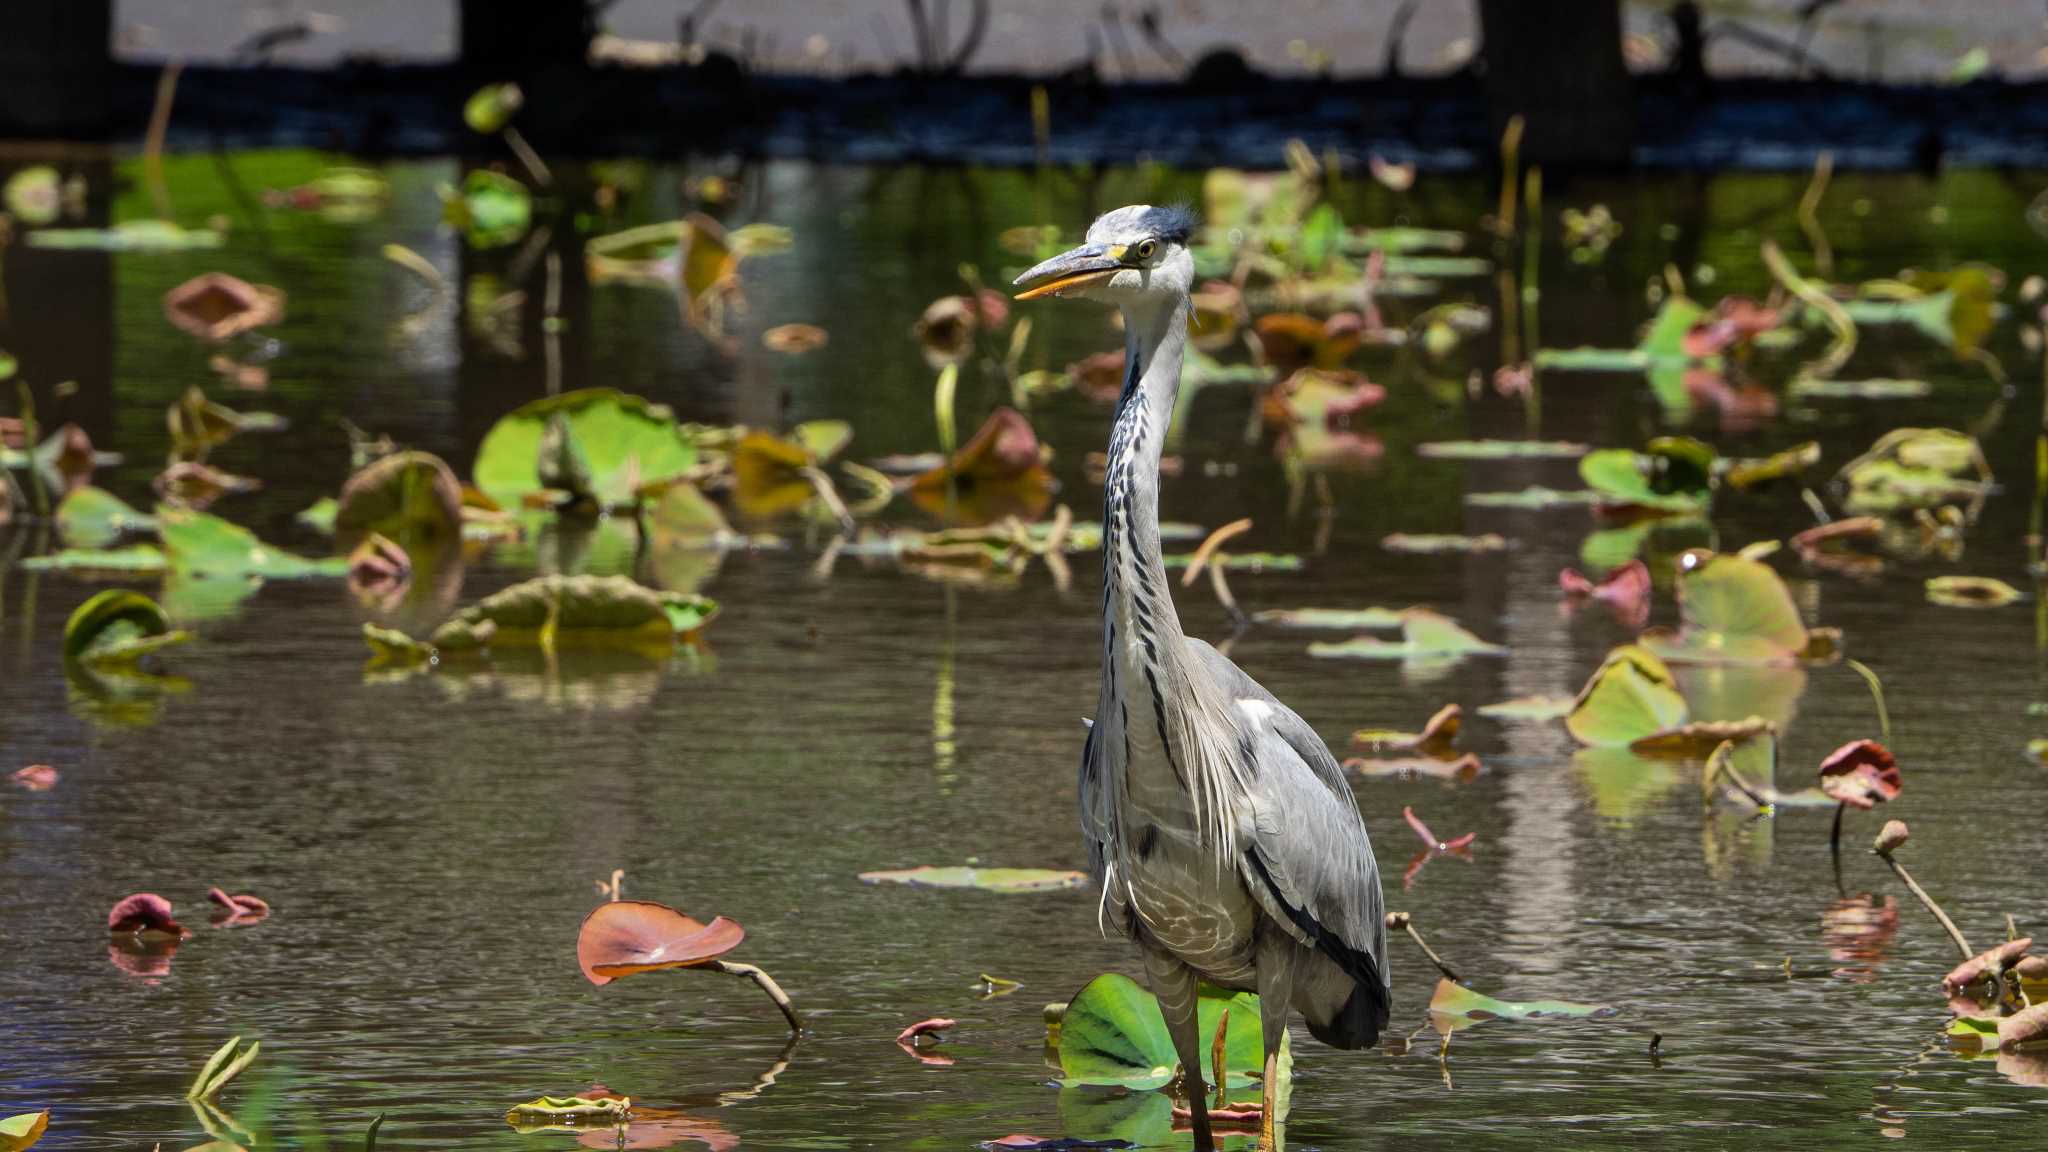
x=1244, y=561
x=576, y=612
x=111, y=563
x=1663, y=345
x=1346, y=618
x=132, y=236
x=411, y=497
x=1536, y=709
x=199, y=545
x=1616, y=360
x=1112, y=1034
x=1454, y=1006
x=1501, y=450
x=118, y=626
x=1403, y=240
x=1423, y=634
x=1959, y=316
x=1652, y=481
x=491, y=107
x=1881, y=487
x=91, y=517
x=19, y=1133
x=320, y=515
x=982, y=879
x=34, y=195
x=491, y=211
x=1631, y=696
x=1438, y=267
x=1534, y=498
x=624, y=443
x=1731, y=609
x=391, y=648
x=1809, y=388
x=1430, y=544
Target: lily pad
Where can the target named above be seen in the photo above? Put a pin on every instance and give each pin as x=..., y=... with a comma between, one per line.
x=492, y=209
x=1007, y=880
x=1438, y=734
x=1809, y=388
x=1426, y=544
x=90, y=517
x=1501, y=450
x=576, y=612
x=624, y=442
x=1534, y=498
x=627, y=937
x=1346, y=618
x=19, y=1133
x=35, y=195
x=1254, y=562
x=1423, y=635
x=1666, y=481
x=200, y=545
x=111, y=563
x=491, y=107
x=1792, y=461
x=1454, y=1006
x=118, y=627
x=1632, y=696
x=1112, y=1034
x=1971, y=592
x=1535, y=709
x=1731, y=610
x=1861, y=774
x=129, y=236
x=409, y=496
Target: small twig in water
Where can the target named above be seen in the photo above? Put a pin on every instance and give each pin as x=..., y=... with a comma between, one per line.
x=1209, y=547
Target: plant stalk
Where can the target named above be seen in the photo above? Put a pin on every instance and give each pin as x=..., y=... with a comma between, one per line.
x=1954, y=933
x=768, y=985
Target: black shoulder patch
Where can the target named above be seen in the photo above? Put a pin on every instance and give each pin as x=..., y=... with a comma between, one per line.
x=1175, y=222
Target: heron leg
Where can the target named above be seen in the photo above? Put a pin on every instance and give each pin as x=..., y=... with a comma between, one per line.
x=1174, y=984
x=1276, y=990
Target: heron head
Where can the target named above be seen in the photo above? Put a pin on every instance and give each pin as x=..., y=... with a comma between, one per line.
x=1133, y=256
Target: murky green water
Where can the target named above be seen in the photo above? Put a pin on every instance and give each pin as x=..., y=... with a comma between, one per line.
x=430, y=844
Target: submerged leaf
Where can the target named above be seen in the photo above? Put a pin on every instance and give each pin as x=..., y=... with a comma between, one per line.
x=983, y=879
x=627, y=937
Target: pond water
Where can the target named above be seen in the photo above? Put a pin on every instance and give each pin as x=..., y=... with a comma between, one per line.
x=430, y=844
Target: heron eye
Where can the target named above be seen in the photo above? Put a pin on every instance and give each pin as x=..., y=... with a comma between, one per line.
x=1146, y=248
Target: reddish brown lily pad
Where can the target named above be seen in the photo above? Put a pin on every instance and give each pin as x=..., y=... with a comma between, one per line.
x=1861, y=774
x=217, y=306
x=145, y=914
x=2024, y=1027
x=931, y=1027
x=35, y=777
x=237, y=910
x=1626, y=590
x=627, y=937
x=1986, y=964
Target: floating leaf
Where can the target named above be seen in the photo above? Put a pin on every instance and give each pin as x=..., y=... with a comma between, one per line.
x=1530, y=708
x=1112, y=1034
x=1630, y=697
x=1970, y=592
x=113, y=563
x=1254, y=562
x=1697, y=739
x=19, y=1133
x=1534, y=498
x=34, y=195
x=491, y=107
x=1438, y=733
x=1730, y=610
x=90, y=517
x=1346, y=618
x=1423, y=635
x=999, y=471
x=1658, y=482
x=983, y=879
x=1500, y=449
x=1861, y=774
x=625, y=442
x=794, y=339
x=216, y=306
x=627, y=937
x=570, y=1111
x=1425, y=544
x=576, y=612
x=411, y=496
x=1792, y=461
x=1807, y=387
x=118, y=627
x=1915, y=468
x=1986, y=965
x=144, y=913
x=1626, y=590
x=199, y=545
x=1454, y=1006
x=129, y=236
x=491, y=211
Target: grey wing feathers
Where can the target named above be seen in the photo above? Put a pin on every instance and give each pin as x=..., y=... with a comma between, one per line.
x=1309, y=860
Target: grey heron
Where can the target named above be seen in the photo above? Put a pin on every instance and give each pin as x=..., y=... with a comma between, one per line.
x=1220, y=830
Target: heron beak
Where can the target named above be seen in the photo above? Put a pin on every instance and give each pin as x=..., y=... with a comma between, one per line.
x=1071, y=272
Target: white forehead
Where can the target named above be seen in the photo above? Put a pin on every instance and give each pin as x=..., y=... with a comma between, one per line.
x=1126, y=225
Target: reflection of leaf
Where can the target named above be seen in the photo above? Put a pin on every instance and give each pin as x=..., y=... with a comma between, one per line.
x=1113, y=1034
x=1454, y=1006
x=1622, y=781
x=983, y=879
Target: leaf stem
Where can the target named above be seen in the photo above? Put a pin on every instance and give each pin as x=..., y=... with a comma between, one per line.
x=1954, y=933
x=768, y=985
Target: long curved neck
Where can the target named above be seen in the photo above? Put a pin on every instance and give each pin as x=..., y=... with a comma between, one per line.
x=1140, y=630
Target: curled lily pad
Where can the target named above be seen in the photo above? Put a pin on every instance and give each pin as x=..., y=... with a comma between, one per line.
x=144, y=913
x=1438, y=733
x=1861, y=774
x=19, y=1133
x=998, y=471
x=1986, y=965
x=90, y=517
x=1112, y=1034
x=624, y=444
x=1971, y=592
x=1454, y=1006
x=198, y=424
x=627, y=937
x=1915, y=468
x=411, y=496
x=1672, y=477
x=2028, y=1026
x=570, y=1111
x=1731, y=610
x=1742, y=474
x=118, y=627
x=1698, y=738
x=1423, y=635
x=1347, y=618
x=983, y=879
x=1629, y=698
x=794, y=339
x=1626, y=590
